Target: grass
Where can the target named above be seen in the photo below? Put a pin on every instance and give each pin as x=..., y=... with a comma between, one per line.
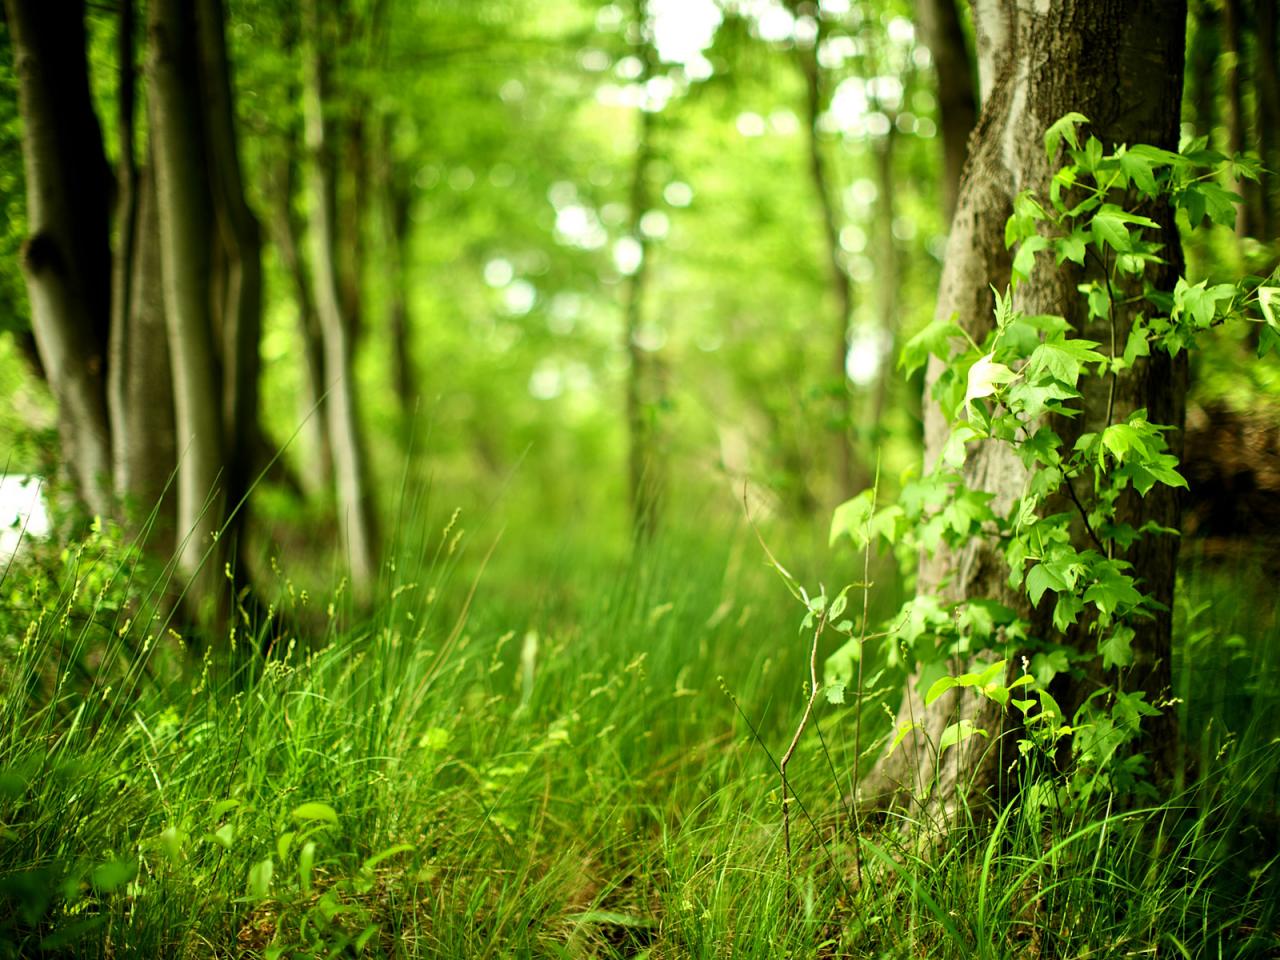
x=574, y=763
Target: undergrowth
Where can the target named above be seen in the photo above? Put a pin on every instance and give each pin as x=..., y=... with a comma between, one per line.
x=584, y=768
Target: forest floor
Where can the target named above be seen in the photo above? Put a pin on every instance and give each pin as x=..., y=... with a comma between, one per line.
x=577, y=763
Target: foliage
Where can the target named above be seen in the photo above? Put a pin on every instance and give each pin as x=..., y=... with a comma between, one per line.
x=1005, y=391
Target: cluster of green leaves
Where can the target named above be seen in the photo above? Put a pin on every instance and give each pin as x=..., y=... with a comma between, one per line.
x=1063, y=535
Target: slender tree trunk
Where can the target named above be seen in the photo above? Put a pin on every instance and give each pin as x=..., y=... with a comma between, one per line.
x=396, y=204
x=286, y=231
x=67, y=257
x=886, y=282
x=646, y=469
x=1120, y=63
x=1238, y=139
x=943, y=34
x=185, y=214
x=355, y=506
x=1268, y=92
x=142, y=416
x=841, y=285
x=239, y=242
x=1202, y=66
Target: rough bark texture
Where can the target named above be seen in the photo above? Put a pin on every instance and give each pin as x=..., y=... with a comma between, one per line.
x=1120, y=63
x=67, y=258
x=943, y=34
x=178, y=146
x=355, y=506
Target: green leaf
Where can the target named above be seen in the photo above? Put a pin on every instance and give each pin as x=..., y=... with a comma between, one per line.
x=939, y=687
x=259, y=881
x=1064, y=128
x=315, y=811
x=306, y=861
x=901, y=735
x=1024, y=261
x=959, y=733
x=1072, y=247
x=1138, y=168
x=934, y=339
x=1062, y=360
x=1040, y=579
x=1109, y=231
x=1269, y=304
x=853, y=518
x=1115, y=649
x=112, y=875
x=377, y=858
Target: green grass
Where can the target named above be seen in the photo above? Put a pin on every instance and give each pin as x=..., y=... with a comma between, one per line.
x=559, y=760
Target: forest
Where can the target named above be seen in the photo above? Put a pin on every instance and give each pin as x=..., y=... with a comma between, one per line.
x=639, y=479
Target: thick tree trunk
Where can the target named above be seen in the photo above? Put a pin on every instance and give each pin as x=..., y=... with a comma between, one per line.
x=1120, y=63
x=943, y=34
x=67, y=258
x=356, y=515
x=185, y=215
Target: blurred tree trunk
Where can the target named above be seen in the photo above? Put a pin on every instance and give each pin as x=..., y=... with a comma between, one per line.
x=238, y=249
x=841, y=284
x=139, y=379
x=1267, y=84
x=355, y=507
x=1120, y=63
x=67, y=257
x=142, y=415
x=646, y=466
x=185, y=213
x=886, y=285
x=1202, y=65
x=396, y=209
x=1248, y=215
x=287, y=228
x=943, y=34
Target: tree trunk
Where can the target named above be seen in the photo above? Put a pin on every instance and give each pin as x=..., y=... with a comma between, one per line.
x=943, y=34
x=1119, y=62
x=67, y=257
x=355, y=506
x=286, y=230
x=185, y=215
x=646, y=469
x=239, y=243
x=396, y=209
x=886, y=284
x=1238, y=139
x=1268, y=92
x=142, y=415
x=841, y=285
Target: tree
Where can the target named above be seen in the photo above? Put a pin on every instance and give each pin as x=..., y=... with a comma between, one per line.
x=1120, y=64
x=151, y=348
x=67, y=256
x=356, y=517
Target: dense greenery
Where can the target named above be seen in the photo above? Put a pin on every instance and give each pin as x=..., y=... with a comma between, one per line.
x=636, y=301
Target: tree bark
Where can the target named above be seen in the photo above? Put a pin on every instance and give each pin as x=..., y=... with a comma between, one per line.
x=67, y=257
x=1238, y=139
x=943, y=34
x=355, y=506
x=1120, y=63
x=185, y=214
